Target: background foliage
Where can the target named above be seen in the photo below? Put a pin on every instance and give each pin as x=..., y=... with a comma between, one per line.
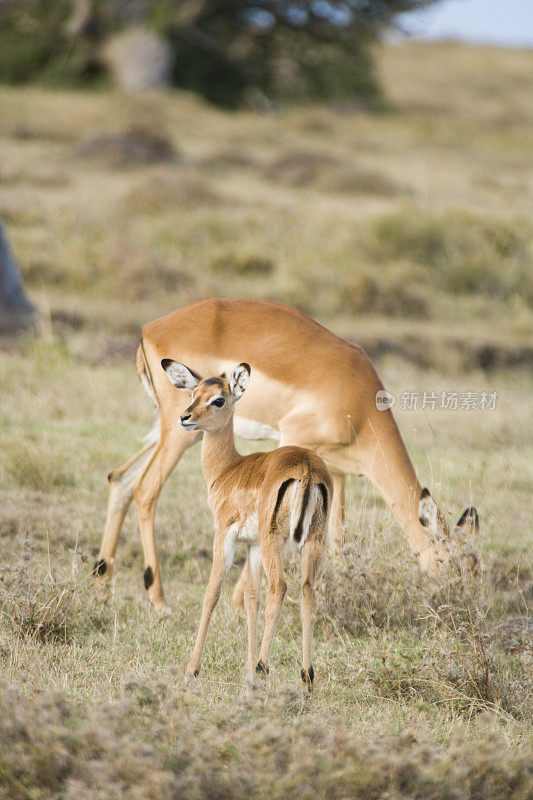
x=228, y=50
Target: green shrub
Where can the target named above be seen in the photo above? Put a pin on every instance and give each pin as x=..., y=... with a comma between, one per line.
x=252, y=265
x=28, y=39
x=33, y=44
x=460, y=252
x=395, y=291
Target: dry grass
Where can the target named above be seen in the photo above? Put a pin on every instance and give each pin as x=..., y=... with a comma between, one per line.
x=328, y=173
x=43, y=608
x=46, y=749
x=159, y=193
x=467, y=84
x=405, y=231
x=33, y=465
x=392, y=653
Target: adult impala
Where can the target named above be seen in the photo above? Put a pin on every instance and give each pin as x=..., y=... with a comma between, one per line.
x=310, y=388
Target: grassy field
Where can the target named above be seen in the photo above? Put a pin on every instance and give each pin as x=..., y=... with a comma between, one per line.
x=407, y=231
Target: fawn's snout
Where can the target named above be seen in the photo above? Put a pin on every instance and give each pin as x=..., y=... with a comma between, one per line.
x=186, y=421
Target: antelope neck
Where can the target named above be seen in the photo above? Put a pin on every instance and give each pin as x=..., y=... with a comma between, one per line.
x=218, y=452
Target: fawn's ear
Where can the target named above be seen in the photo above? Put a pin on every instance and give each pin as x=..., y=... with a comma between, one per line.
x=181, y=376
x=427, y=513
x=239, y=380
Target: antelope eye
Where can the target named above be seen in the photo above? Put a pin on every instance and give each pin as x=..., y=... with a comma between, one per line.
x=219, y=402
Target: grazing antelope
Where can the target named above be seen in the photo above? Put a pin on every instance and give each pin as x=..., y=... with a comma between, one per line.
x=311, y=388
x=263, y=499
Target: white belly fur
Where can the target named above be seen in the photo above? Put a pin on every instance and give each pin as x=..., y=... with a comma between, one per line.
x=250, y=429
x=248, y=532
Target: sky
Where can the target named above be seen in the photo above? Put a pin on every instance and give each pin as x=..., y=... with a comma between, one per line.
x=507, y=23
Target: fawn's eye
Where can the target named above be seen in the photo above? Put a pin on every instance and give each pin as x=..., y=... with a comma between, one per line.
x=219, y=402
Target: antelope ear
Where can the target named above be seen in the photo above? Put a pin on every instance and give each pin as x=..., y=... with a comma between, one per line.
x=469, y=520
x=239, y=380
x=181, y=376
x=427, y=514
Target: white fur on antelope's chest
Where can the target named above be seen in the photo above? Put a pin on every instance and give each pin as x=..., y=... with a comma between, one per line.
x=247, y=531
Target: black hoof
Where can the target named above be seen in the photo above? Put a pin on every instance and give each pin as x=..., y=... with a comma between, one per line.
x=148, y=577
x=308, y=676
x=261, y=668
x=100, y=567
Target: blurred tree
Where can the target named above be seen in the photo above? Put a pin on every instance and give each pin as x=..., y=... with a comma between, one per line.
x=228, y=50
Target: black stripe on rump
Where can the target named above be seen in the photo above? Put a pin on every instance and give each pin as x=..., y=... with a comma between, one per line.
x=281, y=494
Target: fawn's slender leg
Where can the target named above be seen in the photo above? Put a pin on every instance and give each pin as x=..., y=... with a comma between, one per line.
x=121, y=481
x=254, y=570
x=311, y=557
x=276, y=592
x=219, y=569
x=173, y=443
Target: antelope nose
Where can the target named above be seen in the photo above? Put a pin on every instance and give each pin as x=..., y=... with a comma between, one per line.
x=185, y=417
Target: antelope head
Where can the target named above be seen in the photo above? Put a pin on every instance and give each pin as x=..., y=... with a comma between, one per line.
x=450, y=547
x=213, y=399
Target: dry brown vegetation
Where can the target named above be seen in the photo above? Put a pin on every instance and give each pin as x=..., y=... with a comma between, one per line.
x=244, y=754
x=407, y=231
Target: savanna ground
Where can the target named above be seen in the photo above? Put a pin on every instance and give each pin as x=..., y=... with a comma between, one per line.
x=407, y=231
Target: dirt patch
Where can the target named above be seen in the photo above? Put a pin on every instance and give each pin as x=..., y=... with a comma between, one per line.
x=135, y=147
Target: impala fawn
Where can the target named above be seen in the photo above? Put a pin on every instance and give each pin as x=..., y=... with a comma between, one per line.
x=265, y=500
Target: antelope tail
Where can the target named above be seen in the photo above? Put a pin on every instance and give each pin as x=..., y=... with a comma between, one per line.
x=145, y=377
x=302, y=509
x=307, y=496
